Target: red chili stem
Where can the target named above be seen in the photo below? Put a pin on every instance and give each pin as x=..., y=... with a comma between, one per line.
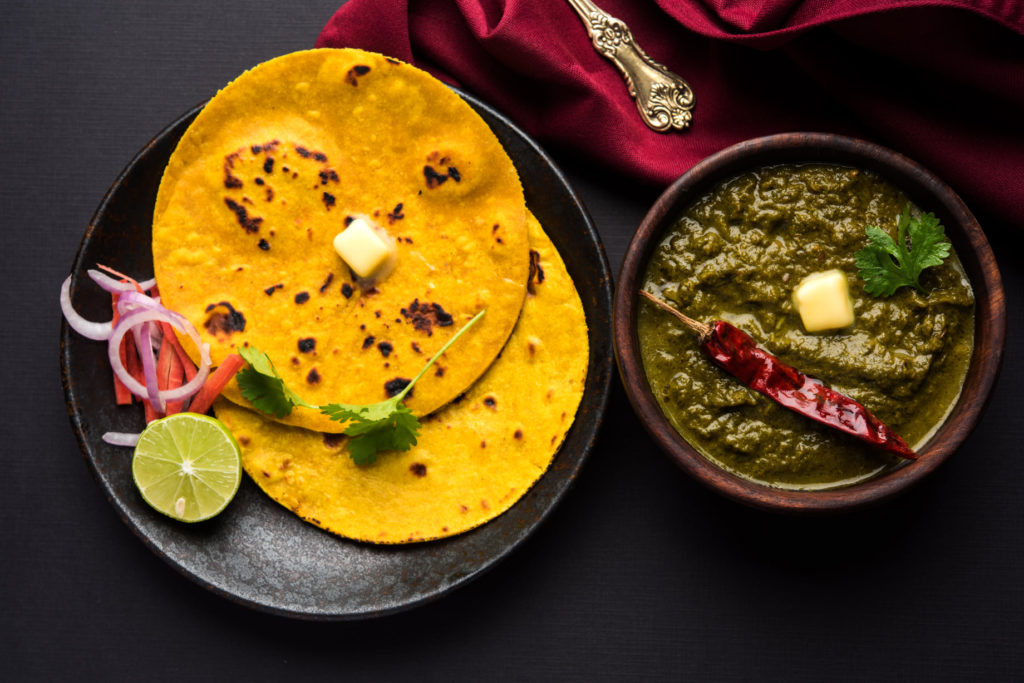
x=700, y=328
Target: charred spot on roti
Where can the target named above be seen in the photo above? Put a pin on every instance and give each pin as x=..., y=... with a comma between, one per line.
x=396, y=213
x=491, y=402
x=385, y=348
x=231, y=182
x=307, y=153
x=272, y=288
x=249, y=223
x=265, y=147
x=518, y=434
x=243, y=440
x=425, y=316
x=453, y=173
x=313, y=377
x=348, y=220
x=393, y=387
x=418, y=469
x=302, y=297
x=328, y=175
x=536, y=272
x=307, y=344
x=353, y=74
x=346, y=290
x=327, y=282
x=268, y=165
x=263, y=244
x=328, y=200
x=223, y=319
x=433, y=178
x=369, y=341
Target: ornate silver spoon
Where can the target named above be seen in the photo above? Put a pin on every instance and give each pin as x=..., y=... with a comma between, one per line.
x=665, y=101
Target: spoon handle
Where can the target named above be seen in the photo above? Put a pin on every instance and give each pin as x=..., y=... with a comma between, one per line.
x=665, y=101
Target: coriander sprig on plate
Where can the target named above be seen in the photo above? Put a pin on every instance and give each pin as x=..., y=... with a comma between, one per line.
x=385, y=426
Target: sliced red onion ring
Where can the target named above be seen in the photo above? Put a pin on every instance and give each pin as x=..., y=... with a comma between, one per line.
x=144, y=345
x=111, y=285
x=120, y=438
x=135, y=318
x=130, y=300
x=86, y=328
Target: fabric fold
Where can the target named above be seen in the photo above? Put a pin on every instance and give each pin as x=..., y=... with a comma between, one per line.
x=941, y=81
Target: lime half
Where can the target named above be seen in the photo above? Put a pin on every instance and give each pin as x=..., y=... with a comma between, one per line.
x=187, y=466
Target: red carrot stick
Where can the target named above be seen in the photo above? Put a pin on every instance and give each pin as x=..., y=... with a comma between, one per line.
x=149, y=411
x=132, y=363
x=186, y=362
x=215, y=383
x=175, y=379
x=169, y=374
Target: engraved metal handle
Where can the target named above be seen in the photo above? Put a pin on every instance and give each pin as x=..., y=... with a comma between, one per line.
x=665, y=101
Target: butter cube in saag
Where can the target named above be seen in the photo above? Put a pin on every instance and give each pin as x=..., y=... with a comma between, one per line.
x=823, y=301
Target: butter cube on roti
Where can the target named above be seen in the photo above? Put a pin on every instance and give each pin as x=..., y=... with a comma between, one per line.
x=363, y=248
x=823, y=301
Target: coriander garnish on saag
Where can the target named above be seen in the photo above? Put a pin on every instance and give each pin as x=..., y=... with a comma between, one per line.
x=887, y=264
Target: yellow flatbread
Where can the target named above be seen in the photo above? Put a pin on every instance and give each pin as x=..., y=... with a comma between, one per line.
x=274, y=167
x=475, y=458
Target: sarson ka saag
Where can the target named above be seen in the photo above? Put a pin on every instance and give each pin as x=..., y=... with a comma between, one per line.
x=737, y=254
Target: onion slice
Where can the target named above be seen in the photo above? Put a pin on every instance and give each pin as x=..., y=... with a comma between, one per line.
x=144, y=345
x=111, y=285
x=139, y=317
x=86, y=328
x=120, y=438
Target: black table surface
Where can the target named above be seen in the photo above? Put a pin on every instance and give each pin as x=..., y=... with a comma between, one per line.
x=640, y=573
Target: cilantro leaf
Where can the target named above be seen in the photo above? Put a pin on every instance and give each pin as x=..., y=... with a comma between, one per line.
x=385, y=426
x=388, y=425
x=887, y=264
x=263, y=387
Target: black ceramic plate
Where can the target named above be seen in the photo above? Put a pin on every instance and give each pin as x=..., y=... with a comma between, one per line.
x=256, y=552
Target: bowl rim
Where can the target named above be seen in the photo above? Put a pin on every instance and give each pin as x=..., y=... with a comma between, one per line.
x=924, y=189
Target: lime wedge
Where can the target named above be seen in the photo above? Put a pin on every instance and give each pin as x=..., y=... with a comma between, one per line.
x=187, y=466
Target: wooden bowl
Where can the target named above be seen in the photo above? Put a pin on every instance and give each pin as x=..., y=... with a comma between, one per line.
x=922, y=188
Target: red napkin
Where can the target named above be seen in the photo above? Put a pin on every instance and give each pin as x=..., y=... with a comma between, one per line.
x=941, y=81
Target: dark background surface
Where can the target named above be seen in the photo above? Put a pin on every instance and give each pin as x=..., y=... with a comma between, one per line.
x=639, y=573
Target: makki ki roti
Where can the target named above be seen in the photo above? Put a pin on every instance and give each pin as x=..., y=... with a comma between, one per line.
x=475, y=458
x=270, y=171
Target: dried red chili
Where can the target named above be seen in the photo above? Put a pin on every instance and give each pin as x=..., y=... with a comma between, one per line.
x=737, y=353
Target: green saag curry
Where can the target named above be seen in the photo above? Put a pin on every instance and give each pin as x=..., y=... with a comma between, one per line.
x=736, y=255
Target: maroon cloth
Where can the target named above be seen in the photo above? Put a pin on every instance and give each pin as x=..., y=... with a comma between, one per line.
x=941, y=81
